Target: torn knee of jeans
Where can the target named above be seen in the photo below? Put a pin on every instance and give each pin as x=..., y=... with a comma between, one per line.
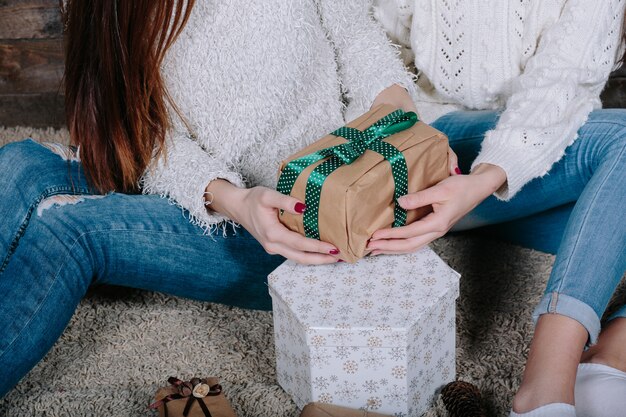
x=69, y=153
x=64, y=200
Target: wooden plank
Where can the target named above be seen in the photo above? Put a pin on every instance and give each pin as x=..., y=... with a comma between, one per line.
x=31, y=66
x=30, y=19
x=36, y=110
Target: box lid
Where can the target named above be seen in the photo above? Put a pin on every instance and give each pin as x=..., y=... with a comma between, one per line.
x=374, y=302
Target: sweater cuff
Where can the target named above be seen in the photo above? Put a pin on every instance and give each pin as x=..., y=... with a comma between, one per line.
x=189, y=194
x=505, y=156
x=198, y=211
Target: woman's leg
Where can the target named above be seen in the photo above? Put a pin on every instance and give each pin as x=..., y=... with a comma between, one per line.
x=137, y=241
x=591, y=258
x=30, y=173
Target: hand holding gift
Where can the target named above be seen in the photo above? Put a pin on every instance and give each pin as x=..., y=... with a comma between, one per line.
x=351, y=179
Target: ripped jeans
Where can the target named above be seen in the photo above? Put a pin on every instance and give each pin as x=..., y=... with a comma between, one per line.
x=57, y=239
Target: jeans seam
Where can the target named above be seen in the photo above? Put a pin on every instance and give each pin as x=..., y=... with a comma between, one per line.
x=54, y=280
x=49, y=192
x=593, y=199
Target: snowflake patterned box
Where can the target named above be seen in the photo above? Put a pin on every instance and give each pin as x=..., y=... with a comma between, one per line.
x=376, y=335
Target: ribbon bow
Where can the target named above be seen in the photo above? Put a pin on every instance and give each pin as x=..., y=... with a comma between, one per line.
x=345, y=154
x=188, y=390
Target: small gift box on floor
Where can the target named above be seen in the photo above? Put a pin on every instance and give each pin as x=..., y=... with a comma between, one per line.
x=351, y=179
x=377, y=335
x=195, y=398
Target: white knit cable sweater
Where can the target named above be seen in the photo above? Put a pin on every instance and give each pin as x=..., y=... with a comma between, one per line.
x=543, y=62
x=258, y=81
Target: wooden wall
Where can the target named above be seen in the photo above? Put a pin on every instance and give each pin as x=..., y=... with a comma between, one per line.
x=31, y=65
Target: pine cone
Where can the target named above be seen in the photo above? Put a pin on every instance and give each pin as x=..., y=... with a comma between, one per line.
x=462, y=399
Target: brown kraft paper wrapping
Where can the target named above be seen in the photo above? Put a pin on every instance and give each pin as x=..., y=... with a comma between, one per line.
x=357, y=199
x=218, y=405
x=328, y=410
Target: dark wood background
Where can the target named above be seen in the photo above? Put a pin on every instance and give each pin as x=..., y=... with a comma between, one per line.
x=31, y=65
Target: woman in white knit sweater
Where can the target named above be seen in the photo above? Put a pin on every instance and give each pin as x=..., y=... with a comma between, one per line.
x=516, y=87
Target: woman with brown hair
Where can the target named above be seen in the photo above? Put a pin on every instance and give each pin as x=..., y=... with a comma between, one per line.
x=197, y=103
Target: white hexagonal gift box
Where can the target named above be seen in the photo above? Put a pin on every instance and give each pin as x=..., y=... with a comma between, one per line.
x=376, y=335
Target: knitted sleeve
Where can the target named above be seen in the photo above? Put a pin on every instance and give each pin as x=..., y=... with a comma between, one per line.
x=368, y=61
x=557, y=90
x=182, y=174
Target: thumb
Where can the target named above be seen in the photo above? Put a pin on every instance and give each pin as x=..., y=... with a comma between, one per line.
x=421, y=198
x=453, y=162
x=285, y=202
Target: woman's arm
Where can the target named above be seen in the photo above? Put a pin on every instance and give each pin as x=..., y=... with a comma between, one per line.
x=182, y=174
x=557, y=90
x=552, y=99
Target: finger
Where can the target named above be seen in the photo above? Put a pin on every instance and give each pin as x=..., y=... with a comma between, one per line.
x=398, y=246
x=279, y=234
x=430, y=223
x=305, y=258
x=297, y=241
x=274, y=199
x=423, y=198
x=453, y=161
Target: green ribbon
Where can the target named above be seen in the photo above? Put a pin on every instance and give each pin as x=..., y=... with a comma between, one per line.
x=344, y=154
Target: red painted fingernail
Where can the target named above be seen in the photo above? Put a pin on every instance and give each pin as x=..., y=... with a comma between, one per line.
x=458, y=171
x=340, y=260
x=299, y=207
x=334, y=252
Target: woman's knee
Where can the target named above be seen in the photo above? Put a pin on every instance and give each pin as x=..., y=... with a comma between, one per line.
x=608, y=127
x=30, y=167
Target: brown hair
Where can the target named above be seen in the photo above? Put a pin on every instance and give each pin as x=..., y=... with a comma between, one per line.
x=115, y=98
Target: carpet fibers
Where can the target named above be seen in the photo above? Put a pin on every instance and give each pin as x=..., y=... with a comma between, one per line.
x=122, y=344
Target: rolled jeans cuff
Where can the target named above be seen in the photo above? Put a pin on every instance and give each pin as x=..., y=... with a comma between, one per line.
x=555, y=303
x=621, y=313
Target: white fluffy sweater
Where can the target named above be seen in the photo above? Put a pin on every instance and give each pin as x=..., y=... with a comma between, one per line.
x=542, y=62
x=257, y=81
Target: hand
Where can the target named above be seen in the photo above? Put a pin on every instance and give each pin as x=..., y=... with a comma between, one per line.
x=451, y=199
x=256, y=209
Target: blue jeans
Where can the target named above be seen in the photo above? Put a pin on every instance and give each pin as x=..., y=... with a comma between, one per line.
x=576, y=211
x=49, y=258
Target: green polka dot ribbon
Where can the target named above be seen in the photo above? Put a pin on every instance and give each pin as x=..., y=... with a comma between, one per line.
x=346, y=153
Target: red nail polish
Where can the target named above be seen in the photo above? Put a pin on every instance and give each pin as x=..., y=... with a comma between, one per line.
x=458, y=171
x=334, y=252
x=340, y=260
x=299, y=207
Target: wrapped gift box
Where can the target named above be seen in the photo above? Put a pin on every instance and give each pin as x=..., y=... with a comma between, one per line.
x=377, y=335
x=357, y=198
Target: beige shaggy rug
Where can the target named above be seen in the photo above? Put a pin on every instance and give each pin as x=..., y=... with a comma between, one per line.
x=123, y=344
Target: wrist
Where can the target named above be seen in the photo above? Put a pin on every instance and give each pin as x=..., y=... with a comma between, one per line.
x=492, y=177
x=223, y=197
